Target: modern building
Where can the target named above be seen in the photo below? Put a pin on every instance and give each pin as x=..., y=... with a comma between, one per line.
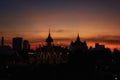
x=26, y=45
x=17, y=44
x=98, y=46
x=2, y=41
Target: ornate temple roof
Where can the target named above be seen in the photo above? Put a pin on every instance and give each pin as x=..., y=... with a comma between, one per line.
x=78, y=39
x=49, y=38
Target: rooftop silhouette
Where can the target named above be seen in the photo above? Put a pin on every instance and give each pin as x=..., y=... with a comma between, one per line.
x=55, y=61
x=84, y=43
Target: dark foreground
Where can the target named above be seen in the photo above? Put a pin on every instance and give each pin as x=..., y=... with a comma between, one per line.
x=56, y=72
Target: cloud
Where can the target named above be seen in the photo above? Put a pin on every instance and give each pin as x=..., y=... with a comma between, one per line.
x=11, y=34
x=111, y=39
x=59, y=30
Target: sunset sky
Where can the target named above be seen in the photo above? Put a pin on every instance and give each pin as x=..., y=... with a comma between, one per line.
x=94, y=20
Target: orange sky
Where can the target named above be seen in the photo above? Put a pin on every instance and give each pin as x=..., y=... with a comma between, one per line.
x=65, y=42
x=97, y=21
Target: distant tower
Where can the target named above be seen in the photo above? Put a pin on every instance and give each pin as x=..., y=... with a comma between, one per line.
x=26, y=45
x=2, y=41
x=78, y=40
x=17, y=44
x=49, y=39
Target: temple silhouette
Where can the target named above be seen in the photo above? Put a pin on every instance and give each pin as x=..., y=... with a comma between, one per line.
x=51, y=53
x=74, y=62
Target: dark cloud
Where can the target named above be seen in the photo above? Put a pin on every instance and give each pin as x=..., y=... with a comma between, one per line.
x=60, y=30
x=111, y=39
x=11, y=34
x=14, y=23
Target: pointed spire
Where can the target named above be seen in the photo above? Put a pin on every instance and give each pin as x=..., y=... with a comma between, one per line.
x=49, y=39
x=49, y=30
x=49, y=33
x=78, y=38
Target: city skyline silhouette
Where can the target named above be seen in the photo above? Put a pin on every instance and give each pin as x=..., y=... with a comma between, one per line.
x=64, y=42
x=52, y=60
x=95, y=21
x=60, y=39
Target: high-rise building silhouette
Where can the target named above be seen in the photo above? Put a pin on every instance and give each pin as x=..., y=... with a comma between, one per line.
x=26, y=45
x=2, y=41
x=98, y=46
x=17, y=43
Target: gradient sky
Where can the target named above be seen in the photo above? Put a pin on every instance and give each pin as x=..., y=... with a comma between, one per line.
x=94, y=20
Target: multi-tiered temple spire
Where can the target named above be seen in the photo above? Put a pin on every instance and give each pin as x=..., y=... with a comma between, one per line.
x=49, y=39
x=78, y=39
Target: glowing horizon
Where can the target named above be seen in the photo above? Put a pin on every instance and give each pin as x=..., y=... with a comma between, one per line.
x=65, y=42
x=95, y=21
